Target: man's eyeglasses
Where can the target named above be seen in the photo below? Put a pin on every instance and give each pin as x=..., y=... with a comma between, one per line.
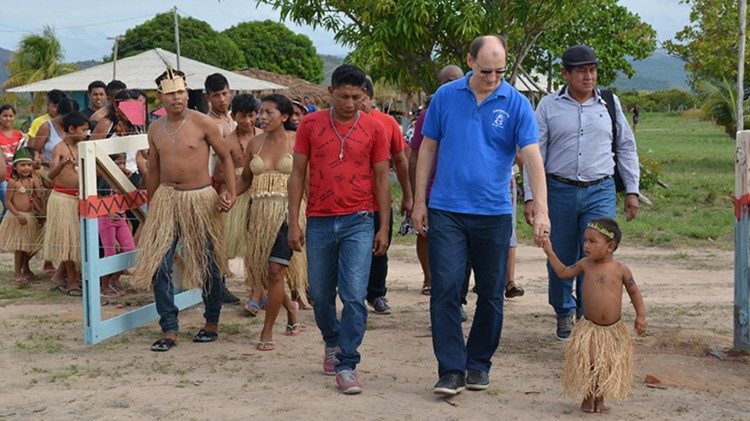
x=498, y=72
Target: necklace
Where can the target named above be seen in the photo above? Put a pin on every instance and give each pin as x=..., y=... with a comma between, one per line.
x=75, y=158
x=23, y=188
x=174, y=134
x=343, y=139
x=226, y=120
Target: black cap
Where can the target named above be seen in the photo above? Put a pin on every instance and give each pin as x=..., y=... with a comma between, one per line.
x=578, y=55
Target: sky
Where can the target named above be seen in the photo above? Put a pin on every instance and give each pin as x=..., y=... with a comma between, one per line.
x=83, y=26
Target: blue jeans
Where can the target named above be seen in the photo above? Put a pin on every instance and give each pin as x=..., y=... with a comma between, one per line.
x=339, y=251
x=570, y=210
x=164, y=291
x=454, y=239
x=379, y=266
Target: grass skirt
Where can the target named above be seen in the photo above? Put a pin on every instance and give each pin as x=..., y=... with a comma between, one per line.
x=62, y=231
x=598, y=361
x=235, y=226
x=194, y=216
x=267, y=212
x=17, y=237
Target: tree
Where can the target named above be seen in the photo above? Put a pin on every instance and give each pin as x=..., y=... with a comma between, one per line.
x=611, y=30
x=271, y=46
x=198, y=41
x=710, y=44
x=38, y=57
x=407, y=42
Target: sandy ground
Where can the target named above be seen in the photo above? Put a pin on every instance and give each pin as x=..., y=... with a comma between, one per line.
x=47, y=372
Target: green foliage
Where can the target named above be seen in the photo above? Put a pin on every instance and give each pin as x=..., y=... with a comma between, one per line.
x=269, y=45
x=607, y=27
x=659, y=101
x=198, y=41
x=709, y=44
x=407, y=42
x=719, y=103
x=38, y=57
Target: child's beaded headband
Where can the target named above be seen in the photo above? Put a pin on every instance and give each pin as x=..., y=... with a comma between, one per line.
x=172, y=83
x=607, y=233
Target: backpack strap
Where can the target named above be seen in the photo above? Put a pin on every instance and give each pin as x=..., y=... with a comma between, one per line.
x=609, y=100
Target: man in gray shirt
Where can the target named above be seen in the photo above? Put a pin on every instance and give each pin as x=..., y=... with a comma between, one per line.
x=576, y=144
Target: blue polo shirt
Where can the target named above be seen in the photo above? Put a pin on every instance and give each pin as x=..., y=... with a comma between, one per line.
x=477, y=146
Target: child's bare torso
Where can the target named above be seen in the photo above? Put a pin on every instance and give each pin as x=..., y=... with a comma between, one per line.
x=602, y=291
x=24, y=192
x=68, y=176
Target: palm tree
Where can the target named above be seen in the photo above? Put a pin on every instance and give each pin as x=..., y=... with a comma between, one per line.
x=719, y=104
x=38, y=57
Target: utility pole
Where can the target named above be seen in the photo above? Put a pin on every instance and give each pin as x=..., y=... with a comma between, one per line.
x=742, y=206
x=177, y=36
x=114, y=62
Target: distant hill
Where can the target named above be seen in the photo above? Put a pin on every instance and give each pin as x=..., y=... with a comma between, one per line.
x=4, y=57
x=330, y=63
x=656, y=73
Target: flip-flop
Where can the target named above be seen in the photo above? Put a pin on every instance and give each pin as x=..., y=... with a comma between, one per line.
x=265, y=346
x=293, y=329
x=74, y=292
x=426, y=290
x=21, y=280
x=251, y=308
x=163, y=345
x=204, y=336
x=263, y=303
x=513, y=291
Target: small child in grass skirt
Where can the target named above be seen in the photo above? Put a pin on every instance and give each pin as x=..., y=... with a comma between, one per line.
x=20, y=230
x=599, y=357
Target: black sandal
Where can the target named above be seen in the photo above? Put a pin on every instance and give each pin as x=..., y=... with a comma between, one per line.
x=511, y=290
x=204, y=336
x=163, y=345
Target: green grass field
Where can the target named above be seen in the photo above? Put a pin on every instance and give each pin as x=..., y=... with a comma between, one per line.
x=696, y=161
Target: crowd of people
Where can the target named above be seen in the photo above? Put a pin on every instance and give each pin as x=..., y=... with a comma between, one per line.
x=303, y=196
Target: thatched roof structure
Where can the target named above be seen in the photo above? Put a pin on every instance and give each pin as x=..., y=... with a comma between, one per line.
x=296, y=87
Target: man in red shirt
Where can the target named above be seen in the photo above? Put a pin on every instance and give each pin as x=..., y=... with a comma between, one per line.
x=376, y=288
x=347, y=155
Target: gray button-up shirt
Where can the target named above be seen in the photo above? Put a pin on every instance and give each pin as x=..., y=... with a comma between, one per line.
x=576, y=140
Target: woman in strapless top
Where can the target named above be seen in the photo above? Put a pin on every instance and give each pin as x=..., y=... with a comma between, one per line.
x=268, y=258
x=244, y=113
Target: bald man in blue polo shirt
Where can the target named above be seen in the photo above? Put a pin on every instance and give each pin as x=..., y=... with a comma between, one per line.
x=471, y=132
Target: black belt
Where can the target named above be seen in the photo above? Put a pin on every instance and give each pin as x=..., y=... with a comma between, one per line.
x=579, y=183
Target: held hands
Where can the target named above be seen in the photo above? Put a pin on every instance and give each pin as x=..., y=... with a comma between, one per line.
x=295, y=237
x=380, y=243
x=631, y=206
x=541, y=224
x=640, y=324
x=226, y=200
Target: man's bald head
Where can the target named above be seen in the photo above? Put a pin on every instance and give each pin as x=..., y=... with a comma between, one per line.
x=495, y=45
x=449, y=73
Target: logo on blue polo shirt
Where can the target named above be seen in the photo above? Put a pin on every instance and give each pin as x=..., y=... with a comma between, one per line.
x=500, y=117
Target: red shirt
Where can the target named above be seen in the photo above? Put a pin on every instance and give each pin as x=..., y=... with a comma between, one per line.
x=392, y=131
x=8, y=146
x=340, y=186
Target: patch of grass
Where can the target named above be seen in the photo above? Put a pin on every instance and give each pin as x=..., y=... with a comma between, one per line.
x=697, y=163
x=495, y=391
x=40, y=342
x=12, y=292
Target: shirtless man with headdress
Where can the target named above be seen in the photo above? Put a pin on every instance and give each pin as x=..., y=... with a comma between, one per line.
x=184, y=211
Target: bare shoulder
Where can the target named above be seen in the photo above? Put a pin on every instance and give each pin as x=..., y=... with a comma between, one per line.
x=200, y=119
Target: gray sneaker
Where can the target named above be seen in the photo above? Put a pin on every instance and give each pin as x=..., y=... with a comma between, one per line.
x=380, y=306
x=477, y=380
x=564, y=326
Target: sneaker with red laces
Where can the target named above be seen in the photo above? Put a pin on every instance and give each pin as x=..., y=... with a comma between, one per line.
x=330, y=361
x=348, y=383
